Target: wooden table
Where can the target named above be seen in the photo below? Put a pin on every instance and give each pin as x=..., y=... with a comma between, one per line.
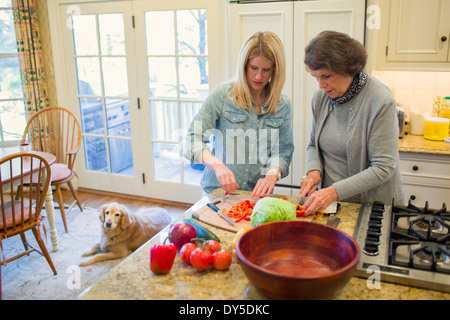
x=49, y=205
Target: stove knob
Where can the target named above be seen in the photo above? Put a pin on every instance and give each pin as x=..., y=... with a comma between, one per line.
x=371, y=249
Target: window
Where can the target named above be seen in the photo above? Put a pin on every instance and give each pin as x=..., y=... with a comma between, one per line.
x=12, y=110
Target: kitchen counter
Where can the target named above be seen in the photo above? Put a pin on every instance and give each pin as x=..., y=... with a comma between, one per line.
x=418, y=144
x=132, y=278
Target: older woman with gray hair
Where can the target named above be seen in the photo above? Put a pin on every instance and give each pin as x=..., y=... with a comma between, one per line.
x=352, y=154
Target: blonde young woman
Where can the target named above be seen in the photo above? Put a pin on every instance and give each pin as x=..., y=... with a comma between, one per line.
x=247, y=122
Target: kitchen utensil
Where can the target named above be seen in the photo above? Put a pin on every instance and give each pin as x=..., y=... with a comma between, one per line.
x=401, y=122
x=302, y=201
x=220, y=213
x=436, y=128
x=333, y=221
x=304, y=260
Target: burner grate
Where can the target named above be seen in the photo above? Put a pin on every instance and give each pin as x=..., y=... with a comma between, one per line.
x=425, y=241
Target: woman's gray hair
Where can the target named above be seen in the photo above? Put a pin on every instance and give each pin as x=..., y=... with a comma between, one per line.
x=336, y=51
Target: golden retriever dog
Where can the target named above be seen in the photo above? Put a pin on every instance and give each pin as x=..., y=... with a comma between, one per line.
x=122, y=231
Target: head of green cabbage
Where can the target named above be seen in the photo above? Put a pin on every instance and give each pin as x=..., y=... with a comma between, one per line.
x=272, y=209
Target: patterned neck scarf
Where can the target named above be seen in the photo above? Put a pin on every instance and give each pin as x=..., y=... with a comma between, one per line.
x=359, y=81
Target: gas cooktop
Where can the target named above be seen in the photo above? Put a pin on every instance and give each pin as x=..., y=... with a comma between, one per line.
x=405, y=245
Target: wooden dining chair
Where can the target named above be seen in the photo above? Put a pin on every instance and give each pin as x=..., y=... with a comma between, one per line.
x=23, y=212
x=56, y=130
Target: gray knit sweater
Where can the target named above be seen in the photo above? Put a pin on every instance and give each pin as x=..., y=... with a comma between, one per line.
x=371, y=145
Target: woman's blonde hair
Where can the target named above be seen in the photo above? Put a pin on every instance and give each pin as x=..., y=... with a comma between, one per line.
x=269, y=46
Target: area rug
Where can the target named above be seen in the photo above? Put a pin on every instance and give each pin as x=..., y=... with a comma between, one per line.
x=31, y=278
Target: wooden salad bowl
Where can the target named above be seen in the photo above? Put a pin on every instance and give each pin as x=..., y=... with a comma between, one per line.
x=297, y=259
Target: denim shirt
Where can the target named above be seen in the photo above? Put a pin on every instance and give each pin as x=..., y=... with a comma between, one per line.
x=248, y=143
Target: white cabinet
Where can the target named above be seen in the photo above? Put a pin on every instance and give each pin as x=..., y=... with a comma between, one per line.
x=426, y=177
x=415, y=36
x=296, y=23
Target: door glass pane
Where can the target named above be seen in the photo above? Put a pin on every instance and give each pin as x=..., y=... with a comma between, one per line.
x=192, y=172
x=192, y=32
x=92, y=115
x=124, y=163
x=166, y=162
x=85, y=35
x=162, y=77
x=164, y=120
x=112, y=36
x=88, y=70
x=193, y=78
x=160, y=32
x=115, y=77
x=118, y=117
x=95, y=153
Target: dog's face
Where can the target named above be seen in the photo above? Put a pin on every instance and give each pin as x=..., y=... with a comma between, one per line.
x=114, y=215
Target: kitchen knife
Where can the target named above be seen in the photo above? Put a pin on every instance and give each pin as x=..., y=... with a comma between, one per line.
x=220, y=213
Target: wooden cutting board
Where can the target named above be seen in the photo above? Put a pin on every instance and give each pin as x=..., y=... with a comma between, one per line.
x=209, y=216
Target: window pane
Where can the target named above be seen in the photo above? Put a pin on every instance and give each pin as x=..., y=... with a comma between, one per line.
x=118, y=117
x=12, y=119
x=162, y=77
x=92, y=115
x=160, y=32
x=112, y=36
x=95, y=149
x=192, y=32
x=10, y=82
x=5, y=3
x=164, y=120
x=85, y=35
x=193, y=78
x=115, y=77
x=88, y=70
x=121, y=155
x=7, y=34
x=166, y=161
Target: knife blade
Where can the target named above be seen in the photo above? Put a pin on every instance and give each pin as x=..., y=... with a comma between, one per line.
x=220, y=213
x=302, y=201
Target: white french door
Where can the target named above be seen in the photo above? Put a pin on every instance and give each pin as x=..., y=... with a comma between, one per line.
x=138, y=72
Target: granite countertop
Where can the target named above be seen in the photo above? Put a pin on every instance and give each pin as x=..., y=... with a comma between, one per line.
x=132, y=278
x=418, y=144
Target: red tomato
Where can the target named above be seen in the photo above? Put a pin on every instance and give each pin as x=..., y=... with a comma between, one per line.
x=221, y=260
x=201, y=259
x=185, y=252
x=211, y=245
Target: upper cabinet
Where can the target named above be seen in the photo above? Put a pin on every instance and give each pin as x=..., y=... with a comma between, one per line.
x=415, y=35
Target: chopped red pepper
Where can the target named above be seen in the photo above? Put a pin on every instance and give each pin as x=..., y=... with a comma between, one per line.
x=162, y=257
x=242, y=210
x=300, y=213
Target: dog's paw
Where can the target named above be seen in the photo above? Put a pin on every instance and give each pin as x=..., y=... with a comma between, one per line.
x=85, y=263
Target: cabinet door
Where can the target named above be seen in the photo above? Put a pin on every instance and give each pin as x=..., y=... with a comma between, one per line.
x=418, y=31
x=245, y=20
x=311, y=18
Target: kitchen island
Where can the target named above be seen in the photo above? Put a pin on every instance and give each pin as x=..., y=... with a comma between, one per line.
x=133, y=280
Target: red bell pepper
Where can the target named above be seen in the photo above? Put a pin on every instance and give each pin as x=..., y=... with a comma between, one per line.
x=162, y=257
